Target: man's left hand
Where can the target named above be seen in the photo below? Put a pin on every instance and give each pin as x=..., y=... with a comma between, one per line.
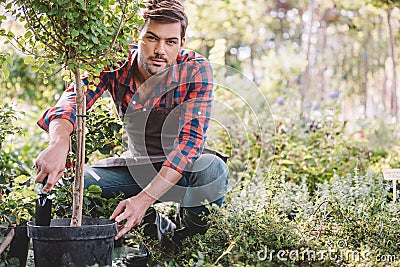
x=132, y=210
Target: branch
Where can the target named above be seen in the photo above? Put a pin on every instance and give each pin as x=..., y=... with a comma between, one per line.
x=96, y=61
x=44, y=28
x=18, y=47
x=54, y=26
x=22, y=48
x=28, y=21
x=102, y=55
x=119, y=27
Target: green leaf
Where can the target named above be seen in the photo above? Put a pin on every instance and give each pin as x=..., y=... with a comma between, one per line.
x=95, y=40
x=287, y=162
x=21, y=179
x=40, y=46
x=6, y=73
x=52, y=12
x=74, y=33
x=94, y=189
x=28, y=34
x=29, y=60
x=34, y=68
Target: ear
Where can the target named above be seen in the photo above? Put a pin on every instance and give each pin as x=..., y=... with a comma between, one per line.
x=183, y=40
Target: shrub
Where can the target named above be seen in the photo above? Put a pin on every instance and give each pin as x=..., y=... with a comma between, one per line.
x=8, y=116
x=350, y=217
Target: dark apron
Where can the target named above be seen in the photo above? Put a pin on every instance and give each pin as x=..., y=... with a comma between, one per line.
x=151, y=133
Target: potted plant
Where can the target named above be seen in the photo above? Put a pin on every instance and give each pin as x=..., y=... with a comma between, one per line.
x=76, y=36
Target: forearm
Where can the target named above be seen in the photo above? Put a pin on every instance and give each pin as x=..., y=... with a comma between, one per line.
x=162, y=182
x=51, y=161
x=60, y=131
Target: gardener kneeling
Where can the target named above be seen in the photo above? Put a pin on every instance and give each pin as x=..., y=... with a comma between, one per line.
x=164, y=95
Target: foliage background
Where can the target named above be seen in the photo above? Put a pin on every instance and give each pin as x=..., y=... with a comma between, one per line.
x=330, y=72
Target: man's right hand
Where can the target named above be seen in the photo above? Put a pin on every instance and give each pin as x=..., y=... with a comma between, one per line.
x=51, y=161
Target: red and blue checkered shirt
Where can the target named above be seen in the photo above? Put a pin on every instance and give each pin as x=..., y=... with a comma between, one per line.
x=193, y=76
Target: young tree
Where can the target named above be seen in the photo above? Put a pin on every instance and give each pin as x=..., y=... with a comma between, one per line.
x=76, y=35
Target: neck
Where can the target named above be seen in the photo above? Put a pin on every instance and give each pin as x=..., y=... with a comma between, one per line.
x=141, y=75
x=145, y=75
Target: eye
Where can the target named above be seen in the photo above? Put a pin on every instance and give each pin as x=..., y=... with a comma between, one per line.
x=151, y=38
x=171, y=42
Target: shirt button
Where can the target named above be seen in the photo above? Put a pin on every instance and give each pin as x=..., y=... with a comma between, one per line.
x=199, y=112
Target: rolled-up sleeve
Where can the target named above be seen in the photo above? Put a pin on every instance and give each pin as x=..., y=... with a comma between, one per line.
x=66, y=106
x=195, y=115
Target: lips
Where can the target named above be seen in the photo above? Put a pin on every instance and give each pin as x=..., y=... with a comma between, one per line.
x=158, y=61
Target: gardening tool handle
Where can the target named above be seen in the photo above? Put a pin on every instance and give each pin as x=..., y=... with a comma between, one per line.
x=43, y=208
x=44, y=182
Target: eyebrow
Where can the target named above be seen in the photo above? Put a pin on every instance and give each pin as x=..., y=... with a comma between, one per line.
x=155, y=35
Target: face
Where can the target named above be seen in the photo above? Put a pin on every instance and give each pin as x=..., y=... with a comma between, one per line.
x=162, y=43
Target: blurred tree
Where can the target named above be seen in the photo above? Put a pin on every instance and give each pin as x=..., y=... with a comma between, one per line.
x=24, y=84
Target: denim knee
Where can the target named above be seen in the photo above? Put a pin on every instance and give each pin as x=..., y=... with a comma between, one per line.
x=207, y=181
x=207, y=169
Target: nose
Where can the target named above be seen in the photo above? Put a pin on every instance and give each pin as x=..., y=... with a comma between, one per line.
x=160, y=48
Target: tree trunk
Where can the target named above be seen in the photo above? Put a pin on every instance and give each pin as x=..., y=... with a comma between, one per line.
x=393, y=101
x=322, y=85
x=80, y=152
x=382, y=55
x=305, y=77
x=365, y=73
x=252, y=63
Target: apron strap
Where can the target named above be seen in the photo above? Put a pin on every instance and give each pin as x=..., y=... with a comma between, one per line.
x=169, y=101
x=121, y=91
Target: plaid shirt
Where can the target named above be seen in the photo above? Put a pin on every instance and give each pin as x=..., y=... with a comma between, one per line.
x=193, y=84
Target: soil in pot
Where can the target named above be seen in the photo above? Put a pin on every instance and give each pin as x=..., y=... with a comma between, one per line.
x=63, y=245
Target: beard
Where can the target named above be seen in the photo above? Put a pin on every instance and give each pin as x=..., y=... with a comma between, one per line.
x=152, y=70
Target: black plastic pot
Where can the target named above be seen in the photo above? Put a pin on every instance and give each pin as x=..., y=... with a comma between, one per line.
x=19, y=245
x=62, y=245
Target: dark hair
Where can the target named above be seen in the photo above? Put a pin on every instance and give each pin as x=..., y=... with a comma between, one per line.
x=166, y=11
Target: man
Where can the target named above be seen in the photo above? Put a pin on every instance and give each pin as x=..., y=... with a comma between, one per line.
x=160, y=84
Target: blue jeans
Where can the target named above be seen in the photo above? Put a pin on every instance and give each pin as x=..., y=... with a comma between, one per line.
x=205, y=180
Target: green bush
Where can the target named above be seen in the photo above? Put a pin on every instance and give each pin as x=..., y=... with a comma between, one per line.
x=318, y=151
x=17, y=205
x=8, y=116
x=350, y=217
x=104, y=132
